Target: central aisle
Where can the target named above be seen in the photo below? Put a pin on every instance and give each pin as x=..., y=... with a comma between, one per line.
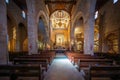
x=62, y=69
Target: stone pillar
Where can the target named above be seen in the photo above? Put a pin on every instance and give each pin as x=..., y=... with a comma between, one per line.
x=101, y=32
x=100, y=38
x=119, y=41
x=3, y=33
x=32, y=27
x=72, y=37
x=19, y=39
x=73, y=40
x=17, y=49
x=89, y=27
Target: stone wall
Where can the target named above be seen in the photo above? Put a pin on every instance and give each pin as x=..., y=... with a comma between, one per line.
x=16, y=12
x=15, y=18
x=110, y=26
x=111, y=16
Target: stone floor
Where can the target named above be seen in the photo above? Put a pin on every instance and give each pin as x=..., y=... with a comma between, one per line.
x=62, y=69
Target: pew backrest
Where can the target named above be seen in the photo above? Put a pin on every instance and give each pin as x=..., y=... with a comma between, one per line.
x=14, y=71
x=43, y=62
x=112, y=71
x=84, y=63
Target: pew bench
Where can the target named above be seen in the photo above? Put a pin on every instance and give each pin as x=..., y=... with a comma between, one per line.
x=76, y=58
x=48, y=58
x=15, y=71
x=84, y=63
x=104, y=71
x=70, y=55
x=43, y=62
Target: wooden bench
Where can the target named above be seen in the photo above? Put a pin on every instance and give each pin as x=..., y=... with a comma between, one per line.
x=44, y=62
x=48, y=58
x=50, y=55
x=76, y=58
x=104, y=71
x=84, y=63
x=70, y=55
x=14, y=71
x=13, y=55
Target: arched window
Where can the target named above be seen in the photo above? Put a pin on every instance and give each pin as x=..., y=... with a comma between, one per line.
x=7, y=1
x=23, y=14
x=96, y=14
x=60, y=19
x=115, y=1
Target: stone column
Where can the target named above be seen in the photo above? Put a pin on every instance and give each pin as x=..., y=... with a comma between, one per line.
x=32, y=27
x=19, y=39
x=119, y=41
x=72, y=37
x=89, y=27
x=101, y=32
x=17, y=49
x=72, y=40
x=3, y=33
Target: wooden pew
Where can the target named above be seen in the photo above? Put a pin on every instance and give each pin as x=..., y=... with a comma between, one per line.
x=72, y=54
x=84, y=63
x=104, y=71
x=13, y=55
x=43, y=62
x=51, y=55
x=14, y=71
x=76, y=58
x=48, y=58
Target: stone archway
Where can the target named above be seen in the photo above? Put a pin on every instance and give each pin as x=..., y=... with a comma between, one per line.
x=42, y=34
x=96, y=38
x=76, y=18
x=11, y=31
x=60, y=28
x=79, y=35
x=44, y=18
x=43, y=23
x=25, y=45
x=112, y=43
x=21, y=35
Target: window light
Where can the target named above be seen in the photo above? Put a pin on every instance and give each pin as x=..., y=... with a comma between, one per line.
x=7, y=1
x=96, y=14
x=114, y=1
x=23, y=14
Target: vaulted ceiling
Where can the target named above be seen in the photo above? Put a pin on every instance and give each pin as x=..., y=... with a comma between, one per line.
x=54, y=5
x=58, y=4
x=21, y=4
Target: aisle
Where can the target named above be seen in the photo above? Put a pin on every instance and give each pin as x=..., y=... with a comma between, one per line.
x=62, y=69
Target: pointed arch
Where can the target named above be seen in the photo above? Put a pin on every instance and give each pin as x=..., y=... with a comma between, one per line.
x=44, y=17
x=76, y=18
x=11, y=24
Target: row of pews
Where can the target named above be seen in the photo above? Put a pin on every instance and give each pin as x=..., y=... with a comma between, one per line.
x=93, y=66
x=33, y=65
